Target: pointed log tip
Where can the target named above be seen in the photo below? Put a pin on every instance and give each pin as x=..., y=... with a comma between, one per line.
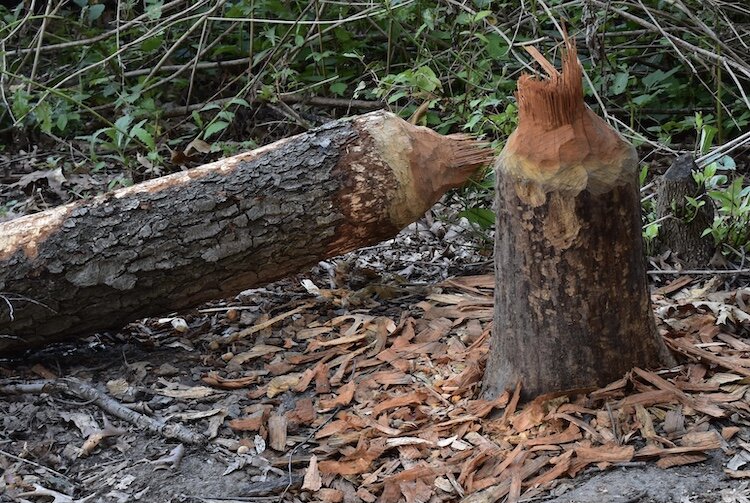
x=468, y=154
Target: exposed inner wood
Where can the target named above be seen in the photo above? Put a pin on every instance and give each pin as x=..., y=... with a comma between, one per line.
x=560, y=144
x=572, y=307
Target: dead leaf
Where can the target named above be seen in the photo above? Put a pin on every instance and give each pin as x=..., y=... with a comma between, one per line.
x=256, y=352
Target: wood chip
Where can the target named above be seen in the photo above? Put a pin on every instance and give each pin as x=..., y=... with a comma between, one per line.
x=256, y=352
x=269, y=323
x=253, y=422
x=727, y=432
x=705, y=407
x=277, y=430
x=345, y=395
x=416, y=397
x=215, y=380
x=679, y=460
x=700, y=442
x=571, y=434
x=684, y=346
x=737, y=474
x=312, y=481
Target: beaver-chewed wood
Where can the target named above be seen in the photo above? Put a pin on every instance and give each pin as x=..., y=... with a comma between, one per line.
x=572, y=308
x=212, y=231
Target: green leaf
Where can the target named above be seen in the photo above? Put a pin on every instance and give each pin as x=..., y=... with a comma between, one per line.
x=210, y=106
x=62, y=122
x=197, y=118
x=143, y=135
x=95, y=11
x=425, y=79
x=497, y=48
x=651, y=231
x=642, y=175
x=153, y=9
x=658, y=77
x=483, y=217
x=151, y=44
x=643, y=99
x=481, y=15
x=338, y=88
x=464, y=18
x=43, y=114
x=123, y=123
x=620, y=83
x=429, y=19
x=214, y=128
x=727, y=163
x=396, y=96
x=707, y=137
x=239, y=101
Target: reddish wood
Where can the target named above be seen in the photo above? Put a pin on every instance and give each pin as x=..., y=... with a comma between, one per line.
x=572, y=307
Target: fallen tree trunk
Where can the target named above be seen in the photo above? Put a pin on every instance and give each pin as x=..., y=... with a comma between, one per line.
x=572, y=307
x=212, y=231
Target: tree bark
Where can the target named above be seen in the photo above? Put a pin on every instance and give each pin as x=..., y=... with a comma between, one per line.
x=572, y=308
x=212, y=231
x=681, y=231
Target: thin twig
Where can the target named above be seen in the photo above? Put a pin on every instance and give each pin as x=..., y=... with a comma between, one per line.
x=699, y=271
x=307, y=439
x=85, y=391
x=34, y=463
x=87, y=41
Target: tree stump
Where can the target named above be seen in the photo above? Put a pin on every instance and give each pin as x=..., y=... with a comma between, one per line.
x=681, y=230
x=210, y=232
x=572, y=308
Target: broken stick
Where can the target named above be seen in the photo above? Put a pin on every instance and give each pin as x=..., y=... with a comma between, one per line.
x=74, y=387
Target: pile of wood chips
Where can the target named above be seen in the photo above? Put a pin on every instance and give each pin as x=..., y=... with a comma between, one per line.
x=389, y=410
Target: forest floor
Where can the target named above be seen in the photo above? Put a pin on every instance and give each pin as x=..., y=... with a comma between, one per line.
x=359, y=381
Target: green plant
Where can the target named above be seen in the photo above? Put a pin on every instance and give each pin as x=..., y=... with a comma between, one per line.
x=113, y=142
x=731, y=225
x=650, y=229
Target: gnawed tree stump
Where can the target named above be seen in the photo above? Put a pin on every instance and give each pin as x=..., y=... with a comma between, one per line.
x=682, y=226
x=572, y=308
x=212, y=231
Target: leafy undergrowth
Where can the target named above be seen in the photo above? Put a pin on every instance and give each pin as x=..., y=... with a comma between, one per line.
x=367, y=394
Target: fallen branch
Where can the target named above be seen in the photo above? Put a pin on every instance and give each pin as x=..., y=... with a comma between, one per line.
x=74, y=387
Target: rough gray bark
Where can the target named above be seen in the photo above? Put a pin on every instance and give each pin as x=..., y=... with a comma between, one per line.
x=569, y=313
x=681, y=231
x=213, y=231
